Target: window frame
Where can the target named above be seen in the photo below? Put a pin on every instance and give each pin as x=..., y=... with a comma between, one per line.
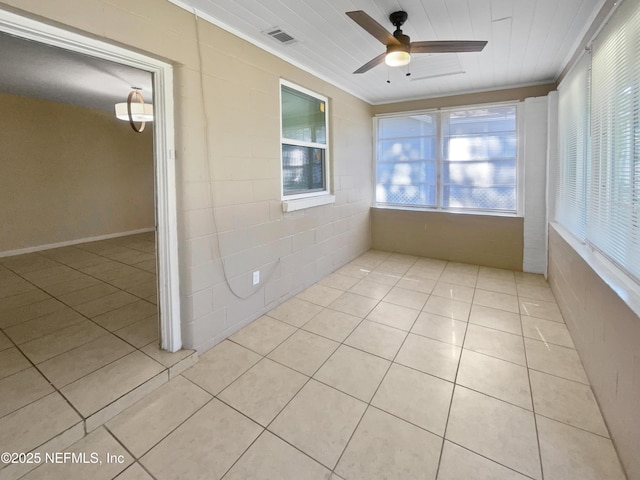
x=439, y=162
x=311, y=198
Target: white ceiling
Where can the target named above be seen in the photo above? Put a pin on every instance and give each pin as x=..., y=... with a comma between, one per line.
x=530, y=41
x=33, y=69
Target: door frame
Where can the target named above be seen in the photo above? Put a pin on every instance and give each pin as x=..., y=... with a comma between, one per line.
x=163, y=147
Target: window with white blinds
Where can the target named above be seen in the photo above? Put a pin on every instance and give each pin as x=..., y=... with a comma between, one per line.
x=573, y=123
x=598, y=196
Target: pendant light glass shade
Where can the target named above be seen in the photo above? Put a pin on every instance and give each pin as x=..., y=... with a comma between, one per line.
x=133, y=112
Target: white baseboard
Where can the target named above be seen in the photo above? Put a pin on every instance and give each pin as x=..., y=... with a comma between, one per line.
x=38, y=248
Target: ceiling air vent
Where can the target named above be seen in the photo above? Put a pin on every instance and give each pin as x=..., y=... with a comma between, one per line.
x=278, y=34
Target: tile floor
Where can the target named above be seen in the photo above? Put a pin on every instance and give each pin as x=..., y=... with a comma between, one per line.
x=393, y=367
x=78, y=340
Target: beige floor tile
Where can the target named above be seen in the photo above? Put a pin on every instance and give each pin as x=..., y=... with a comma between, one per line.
x=338, y=281
x=12, y=361
x=304, y=352
x=36, y=423
x=536, y=293
x=433, y=263
x=430, y=356
x=385, y=447
x=263, y=335
x=309, y=421
x=353, y=304
x=22, y=388
x=126, y=315
x=295, y=311
x=377, y=339
x=495, y=343
x=371, y=289
x=416, y=397
x=555, y=360
x=406, y=298
x=497, y=430
x=105, y=304
x=74, y=364
x=354, y=270
x=39, y=327
x=98, y=389
x=568, y=402
x=28, y=263
x=440, y=328
x=5, y=342
x=392, y=268
x=14, y=285
x=110, y=271
x=458, y=278
x=466, y=268
x=29, y=312
x=221, y=365
x=496, y=285
x=320, y=295
x=61, y=341
x=147, y=422
x=270, y=458
x=569, y=453
x=540, y=309
x=98, y=443
x=497, y=273
x=332, y=324
x=423, y=272
x=50, y=275
x=22, y=299
x=393, y=315
x=88, y=294
x=417, y=283
x=134, y=472
x=445, y=307
x=383, y=278
x=497, y=319
x=546, y=331
x=138, y=277
x=354, y=372
x=140, y=333
x=453, y=291
x=64, y=288
x=496, y=378
x=500, y=301
x=205, y=446
x=263, y=391
x=458, y=463
x=402, y=258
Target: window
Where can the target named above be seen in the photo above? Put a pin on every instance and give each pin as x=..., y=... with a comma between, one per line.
x=304, y=142
x=458, y=159
x=598, y=197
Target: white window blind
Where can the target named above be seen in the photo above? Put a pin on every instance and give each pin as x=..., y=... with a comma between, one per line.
x=573, y=141
x=613, y=208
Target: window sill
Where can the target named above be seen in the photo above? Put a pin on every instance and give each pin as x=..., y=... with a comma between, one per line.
x=626, y=288
x=308, y=202
x=487, y=213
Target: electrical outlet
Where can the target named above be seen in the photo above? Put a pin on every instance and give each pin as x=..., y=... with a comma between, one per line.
x=256, y=277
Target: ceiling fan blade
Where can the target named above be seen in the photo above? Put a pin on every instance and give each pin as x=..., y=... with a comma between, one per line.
x=447, y=46
x=371, y=63
x=373, y=27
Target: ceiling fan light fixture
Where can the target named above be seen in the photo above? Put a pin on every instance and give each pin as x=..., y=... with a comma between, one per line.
x=397, y=56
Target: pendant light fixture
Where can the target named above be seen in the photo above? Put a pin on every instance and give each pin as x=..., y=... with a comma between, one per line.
x=135, y=110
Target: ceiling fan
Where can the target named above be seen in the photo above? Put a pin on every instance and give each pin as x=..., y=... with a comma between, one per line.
x=400, y=47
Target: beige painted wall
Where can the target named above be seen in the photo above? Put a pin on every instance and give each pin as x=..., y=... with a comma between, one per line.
x=607, y=336
x=479, y=239
x=241, y=100
x=70, y=173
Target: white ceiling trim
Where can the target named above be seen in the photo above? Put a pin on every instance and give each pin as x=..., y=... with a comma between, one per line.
x=264, y=46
